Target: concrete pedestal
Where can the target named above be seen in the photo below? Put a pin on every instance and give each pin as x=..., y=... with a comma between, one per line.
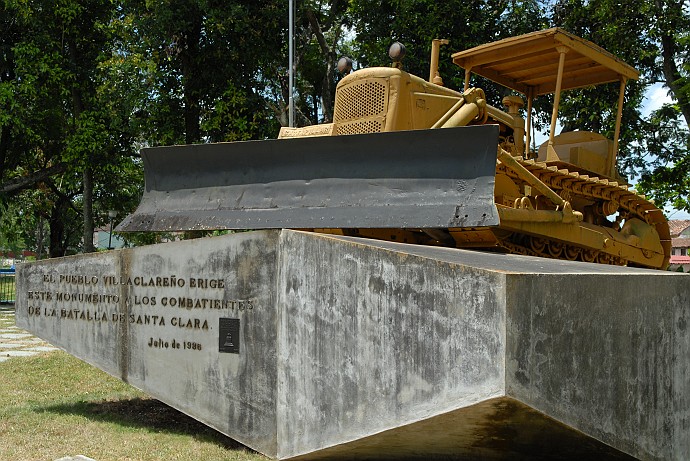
x=309, y=346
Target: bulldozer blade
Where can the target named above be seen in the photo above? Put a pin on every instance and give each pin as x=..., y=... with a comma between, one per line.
x=408, y=179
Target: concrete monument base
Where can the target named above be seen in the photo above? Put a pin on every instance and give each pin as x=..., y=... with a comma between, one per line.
x=308, y=346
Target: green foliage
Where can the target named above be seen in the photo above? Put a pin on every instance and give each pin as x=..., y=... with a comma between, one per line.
x=415, y=24
x=170, y=48
x=65, y=120
x=666, y=173
x=84, y=84
x=10, y=229
x=651, y=37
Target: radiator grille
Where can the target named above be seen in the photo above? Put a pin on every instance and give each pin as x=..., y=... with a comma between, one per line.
x=361, y=107
x=360, y=127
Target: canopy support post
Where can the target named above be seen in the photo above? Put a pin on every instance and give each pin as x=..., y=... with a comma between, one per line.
x=528, y=128
x=619, y=116
x=550, y=151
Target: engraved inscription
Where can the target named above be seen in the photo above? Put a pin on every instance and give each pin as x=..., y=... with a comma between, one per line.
x=170, y=302
x=159, y=343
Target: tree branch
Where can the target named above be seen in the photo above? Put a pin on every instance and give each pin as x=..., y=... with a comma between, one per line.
x=24, y=182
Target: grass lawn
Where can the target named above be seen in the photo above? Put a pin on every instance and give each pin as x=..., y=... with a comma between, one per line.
x=54, y=405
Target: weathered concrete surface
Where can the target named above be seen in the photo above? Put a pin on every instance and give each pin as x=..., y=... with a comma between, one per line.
x=352, y=348
x=234, y=393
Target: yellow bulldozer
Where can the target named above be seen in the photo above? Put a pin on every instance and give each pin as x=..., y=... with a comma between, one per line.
x=409, y=160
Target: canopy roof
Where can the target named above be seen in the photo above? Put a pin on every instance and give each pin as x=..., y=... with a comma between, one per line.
x=530, y=61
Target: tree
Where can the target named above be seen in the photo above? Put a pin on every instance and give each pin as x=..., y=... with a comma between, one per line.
x=653, y=37
x=59, y=140
x=667, y=177
x=10, y=230
x=84, y=84
x=325, y=26
x=415, y=24
x=199, y=62
x=320, y=38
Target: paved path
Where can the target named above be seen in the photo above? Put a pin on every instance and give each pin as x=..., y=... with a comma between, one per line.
x=15, y=342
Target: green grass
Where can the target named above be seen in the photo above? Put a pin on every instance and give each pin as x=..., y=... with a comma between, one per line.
x=54, y=405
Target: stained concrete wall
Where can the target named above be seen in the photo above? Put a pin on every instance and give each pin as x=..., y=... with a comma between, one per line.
x=602, y=349
x=312, y=346
x=372, y=339
x=606, y=355
x=155, y=323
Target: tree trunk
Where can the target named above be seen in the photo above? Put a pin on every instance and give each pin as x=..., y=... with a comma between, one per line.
x=189, y=49
x=328, y=51
x=16, y=185
x=88, y=210
x=669, y=15
x=673, y=77
x=78, y=109
x=39, y=238
x=56, y=222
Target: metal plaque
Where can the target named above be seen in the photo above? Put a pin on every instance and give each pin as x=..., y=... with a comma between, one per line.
x=229, y=335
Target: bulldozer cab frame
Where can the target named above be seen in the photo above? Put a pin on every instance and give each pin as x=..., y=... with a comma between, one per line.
x=549, y=62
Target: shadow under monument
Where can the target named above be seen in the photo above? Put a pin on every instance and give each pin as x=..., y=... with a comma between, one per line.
x=555, y=442
x=145, y=413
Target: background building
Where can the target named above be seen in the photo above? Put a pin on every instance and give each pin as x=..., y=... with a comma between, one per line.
x=680, y=242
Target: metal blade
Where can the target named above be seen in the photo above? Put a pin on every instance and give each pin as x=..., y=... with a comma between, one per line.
x=408, y=179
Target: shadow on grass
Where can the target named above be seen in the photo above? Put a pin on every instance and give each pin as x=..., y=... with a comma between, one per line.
x=145, y=413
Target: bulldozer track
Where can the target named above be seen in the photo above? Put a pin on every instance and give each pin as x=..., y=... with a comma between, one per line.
x=528, y=246
x=564, y=181
x=610, y=194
